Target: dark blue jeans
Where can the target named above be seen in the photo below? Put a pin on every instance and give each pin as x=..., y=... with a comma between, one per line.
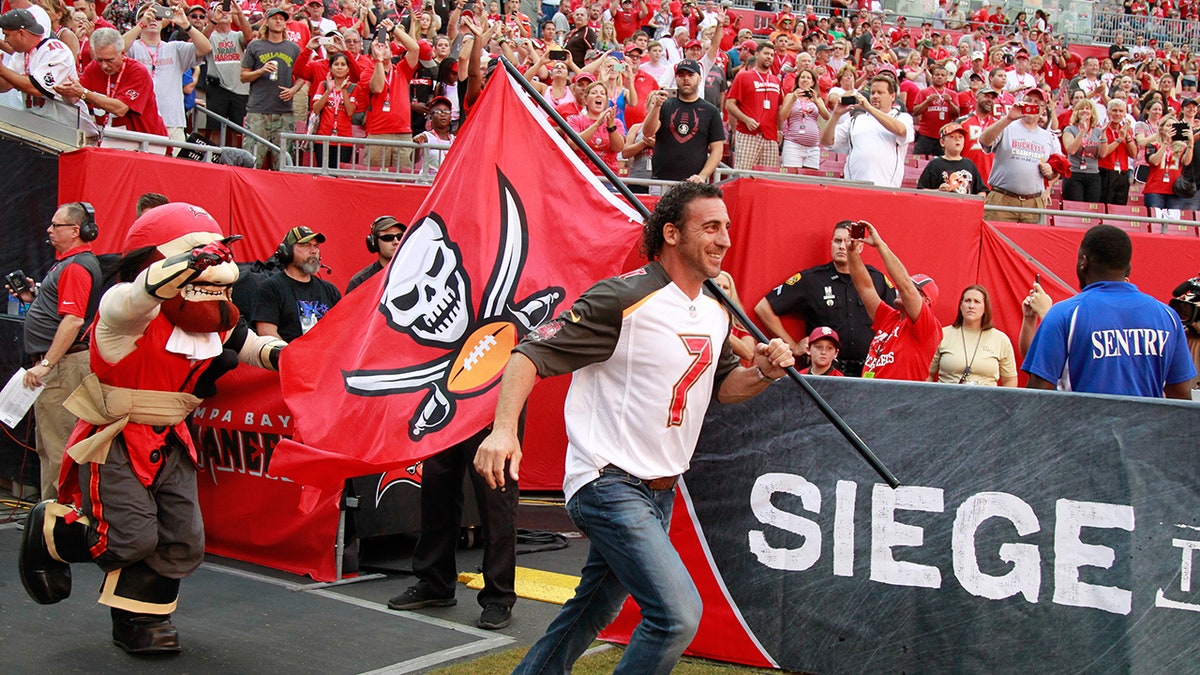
x=631, y=553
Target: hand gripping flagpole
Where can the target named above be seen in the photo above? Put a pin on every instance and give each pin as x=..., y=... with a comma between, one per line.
x=830, y=414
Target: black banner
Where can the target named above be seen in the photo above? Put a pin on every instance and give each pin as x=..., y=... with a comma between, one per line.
x=1033, y=531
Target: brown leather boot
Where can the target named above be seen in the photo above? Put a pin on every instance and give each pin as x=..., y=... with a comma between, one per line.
x=144, y=633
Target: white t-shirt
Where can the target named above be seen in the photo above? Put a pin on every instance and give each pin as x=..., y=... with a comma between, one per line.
x=1014, y=81
x=48, y=65
x=167, y=63
x=873, y=153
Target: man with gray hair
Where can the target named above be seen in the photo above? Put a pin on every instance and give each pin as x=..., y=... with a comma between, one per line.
x=673, y=49
x=55, y=340
x=128, y=90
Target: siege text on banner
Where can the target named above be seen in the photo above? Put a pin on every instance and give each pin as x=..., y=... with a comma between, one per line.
x=1036, y=531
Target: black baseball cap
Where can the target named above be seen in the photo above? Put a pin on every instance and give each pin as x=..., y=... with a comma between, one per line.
x=690, y=65
x=20, y=19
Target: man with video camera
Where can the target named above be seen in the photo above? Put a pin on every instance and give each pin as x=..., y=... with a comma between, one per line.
x=55, y=341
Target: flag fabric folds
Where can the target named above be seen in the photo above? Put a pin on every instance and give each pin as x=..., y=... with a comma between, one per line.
x=513, y=231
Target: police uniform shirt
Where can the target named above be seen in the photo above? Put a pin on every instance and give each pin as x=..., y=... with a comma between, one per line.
x=822, y=296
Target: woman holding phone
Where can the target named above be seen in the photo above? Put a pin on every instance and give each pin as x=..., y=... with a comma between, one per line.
x=333, y=104
x=1167, y=155
x=599, y=126
x=798, y=119
x=972, y=350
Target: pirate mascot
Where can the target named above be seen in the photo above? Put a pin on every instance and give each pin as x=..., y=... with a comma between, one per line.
x=128, y=495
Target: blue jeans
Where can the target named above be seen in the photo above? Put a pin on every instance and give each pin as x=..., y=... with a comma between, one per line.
x=630, y=553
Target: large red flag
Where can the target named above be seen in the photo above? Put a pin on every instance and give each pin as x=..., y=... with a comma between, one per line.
x=515, y=228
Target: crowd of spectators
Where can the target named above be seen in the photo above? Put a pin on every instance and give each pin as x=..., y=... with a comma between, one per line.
x=858, y=92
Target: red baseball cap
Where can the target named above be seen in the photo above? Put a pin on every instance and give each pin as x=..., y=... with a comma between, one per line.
x=927, y=286
x=824, y=333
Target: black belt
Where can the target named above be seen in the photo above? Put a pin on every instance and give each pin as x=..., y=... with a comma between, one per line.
x=657, y=484
x=1013, y=194
x=73, y=349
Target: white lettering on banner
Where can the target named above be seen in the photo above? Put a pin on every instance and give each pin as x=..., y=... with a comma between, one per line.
x=1026, y=575
x=1185, y=576
x=1070, y=554
x=1129, y=342
x=1024, y=578
x=887, y=533
x=790, y=559
x=250, y=418
x=843, y=529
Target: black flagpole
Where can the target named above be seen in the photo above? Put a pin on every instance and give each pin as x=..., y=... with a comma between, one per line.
x=831, y=414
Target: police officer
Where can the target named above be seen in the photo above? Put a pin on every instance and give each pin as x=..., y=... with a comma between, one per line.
x=55, y=325
x=824, y=296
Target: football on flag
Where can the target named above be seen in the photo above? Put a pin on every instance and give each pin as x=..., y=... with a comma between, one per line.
x=482, y=357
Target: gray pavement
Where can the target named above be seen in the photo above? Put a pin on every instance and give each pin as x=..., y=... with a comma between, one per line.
x=235, y=617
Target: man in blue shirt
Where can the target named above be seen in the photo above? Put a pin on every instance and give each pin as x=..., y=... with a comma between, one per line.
x=1111, y=338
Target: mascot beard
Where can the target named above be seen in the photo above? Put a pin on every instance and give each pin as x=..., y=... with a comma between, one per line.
x=202, y=308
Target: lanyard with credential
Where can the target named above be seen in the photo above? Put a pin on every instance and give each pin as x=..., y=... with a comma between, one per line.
x=153, y=55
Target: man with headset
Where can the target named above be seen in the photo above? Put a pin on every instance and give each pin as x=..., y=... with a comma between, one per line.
x=290, y=303
x=55, y=331
x=384, y=239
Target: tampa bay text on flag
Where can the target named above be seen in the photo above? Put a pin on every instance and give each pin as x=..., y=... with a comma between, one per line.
x=513, y=231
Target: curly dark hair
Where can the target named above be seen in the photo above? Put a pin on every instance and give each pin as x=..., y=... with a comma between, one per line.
x=672, y=208
x=1108, y=247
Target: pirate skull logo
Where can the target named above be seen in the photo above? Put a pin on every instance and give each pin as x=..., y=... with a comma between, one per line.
x=427, y=293
x=428, y=297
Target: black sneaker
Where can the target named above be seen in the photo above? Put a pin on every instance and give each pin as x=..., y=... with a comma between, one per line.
x=495, y=616
x=415, y=598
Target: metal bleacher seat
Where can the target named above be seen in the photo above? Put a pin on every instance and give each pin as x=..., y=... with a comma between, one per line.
x=1091, y=207
x=1181, y=230
x=1075, y=221
x=1128, y=210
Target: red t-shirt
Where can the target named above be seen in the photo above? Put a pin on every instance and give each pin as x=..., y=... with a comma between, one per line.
x=1161, y=179
x=74, y=285
x=600, y=140
x=938, y=113
x=335, y=121
x=643, y=84
x=966, y=101
x=297, y=31
x=391, y=109
x=902, y=349
x=626, y=24
x=758, y=96
x=1118, y=159
x=833, y=372
x=134, y=87
x=1074, y=63
x=974, y=126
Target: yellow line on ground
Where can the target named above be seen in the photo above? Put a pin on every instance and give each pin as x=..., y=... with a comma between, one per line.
x=533, y=584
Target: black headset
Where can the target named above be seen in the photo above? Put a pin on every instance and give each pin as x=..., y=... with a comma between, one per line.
x=87, y=229
x=373, y=239
x=284, y=253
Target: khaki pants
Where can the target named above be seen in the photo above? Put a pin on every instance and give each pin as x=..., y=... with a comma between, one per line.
x=997, y=199
x=269, y=126
x=54, y=422
x=388, y=157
